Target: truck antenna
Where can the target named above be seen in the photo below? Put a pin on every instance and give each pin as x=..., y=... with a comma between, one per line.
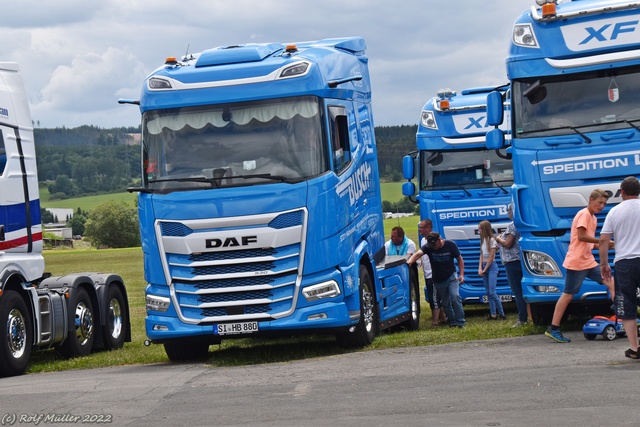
x=186, y=54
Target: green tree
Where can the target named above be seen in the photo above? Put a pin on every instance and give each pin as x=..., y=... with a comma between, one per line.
x=113, y=224
x=63, y=184
x=45, y=216
x=77, y=223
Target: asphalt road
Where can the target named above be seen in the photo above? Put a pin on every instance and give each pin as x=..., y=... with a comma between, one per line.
x=525, y=381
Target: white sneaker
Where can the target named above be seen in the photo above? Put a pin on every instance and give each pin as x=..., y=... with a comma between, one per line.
x=518, y=324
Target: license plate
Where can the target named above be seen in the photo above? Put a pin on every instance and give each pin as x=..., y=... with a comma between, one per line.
x=236, y=328
x=503, y=298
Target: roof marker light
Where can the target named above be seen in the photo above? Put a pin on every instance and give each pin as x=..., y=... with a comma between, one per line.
x=548, y=10
x=445, y=93
x=548, y=7
x=291, y=48
x=171, y=60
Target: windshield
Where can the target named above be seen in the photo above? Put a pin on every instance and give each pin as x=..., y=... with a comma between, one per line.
x=574, y=103
x=233, y=145
x=449, y=170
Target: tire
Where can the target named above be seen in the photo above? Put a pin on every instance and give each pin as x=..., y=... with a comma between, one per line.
x=542, y=314
x=16, y=338
x=413, y=324
x=609, y=333
x=80, y=339
x=367, y=327
x=115, y=330
x=184, y=352
x=590, y=337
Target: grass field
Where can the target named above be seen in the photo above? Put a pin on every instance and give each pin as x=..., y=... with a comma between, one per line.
x=391, y=191
x=128, y=264
x=87, y=203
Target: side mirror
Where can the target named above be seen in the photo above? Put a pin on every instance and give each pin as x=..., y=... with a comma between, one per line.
x=494, y=139
x=408, y=189
x=408, y=171
x=495, y=109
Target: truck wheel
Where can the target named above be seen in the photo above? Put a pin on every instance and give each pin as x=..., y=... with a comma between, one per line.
x=16, y=338
x=117, y=319
x=414, y=301
x=542, y=314
x=366, y=329
x=590, y=337
x=609, y=333
x=183, y=352
x=80, y=340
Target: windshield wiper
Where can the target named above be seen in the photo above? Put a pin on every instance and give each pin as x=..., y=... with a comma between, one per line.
x=465, y=190
x=573, y=128
x=262, y=175
x=630, y=123
x=216, y=181
x=499, y=186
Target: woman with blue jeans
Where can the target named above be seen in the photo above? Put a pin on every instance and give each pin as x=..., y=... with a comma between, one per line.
x=510, y=256
x=488, y=269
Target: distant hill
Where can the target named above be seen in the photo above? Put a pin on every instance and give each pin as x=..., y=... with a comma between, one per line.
x=89, y=160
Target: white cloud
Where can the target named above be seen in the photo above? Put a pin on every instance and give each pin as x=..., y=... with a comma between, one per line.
x=78, y=56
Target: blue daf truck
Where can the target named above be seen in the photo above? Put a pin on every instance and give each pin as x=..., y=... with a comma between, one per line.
x=460, y=181
x=260, y=207
x=574, y=71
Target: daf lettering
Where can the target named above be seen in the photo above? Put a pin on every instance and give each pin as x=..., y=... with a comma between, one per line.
x=230, y=242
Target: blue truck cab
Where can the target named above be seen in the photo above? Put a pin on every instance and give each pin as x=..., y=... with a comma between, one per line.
x=575, y=81
x=460, y=181
x=260, y=208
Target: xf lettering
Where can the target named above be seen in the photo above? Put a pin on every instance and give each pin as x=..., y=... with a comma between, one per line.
x=602, y=34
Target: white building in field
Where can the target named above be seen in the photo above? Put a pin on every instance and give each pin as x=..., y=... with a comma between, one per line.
x=64, y=232
x=62, y=214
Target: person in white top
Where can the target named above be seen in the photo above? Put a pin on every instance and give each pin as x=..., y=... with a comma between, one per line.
x=488, y=269
x=621, y=223
x=399, y=243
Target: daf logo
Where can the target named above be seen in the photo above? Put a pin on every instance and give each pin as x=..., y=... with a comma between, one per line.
x=230, y=242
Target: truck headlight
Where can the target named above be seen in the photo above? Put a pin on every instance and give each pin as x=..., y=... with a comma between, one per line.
x=321, y=290
x=524, y=36
x=157, y=303
x=541, y=264
x=428, y=120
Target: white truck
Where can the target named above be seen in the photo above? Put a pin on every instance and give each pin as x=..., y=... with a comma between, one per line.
x=75, y=313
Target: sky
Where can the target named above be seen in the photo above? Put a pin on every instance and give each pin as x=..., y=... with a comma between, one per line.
x=78, y=57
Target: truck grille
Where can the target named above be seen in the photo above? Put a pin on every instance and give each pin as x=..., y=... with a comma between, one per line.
x=227, y=283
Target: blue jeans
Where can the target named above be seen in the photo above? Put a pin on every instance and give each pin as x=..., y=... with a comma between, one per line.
x=514, y=276
x=449, y=290
x=490, y=280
